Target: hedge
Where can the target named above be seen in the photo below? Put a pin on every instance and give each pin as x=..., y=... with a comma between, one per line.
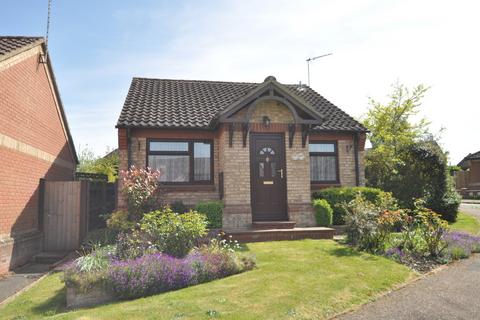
x=336, y=196
x=323, y=212
x=214, y=212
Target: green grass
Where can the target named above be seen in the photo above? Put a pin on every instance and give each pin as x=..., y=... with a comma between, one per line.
x=309, y=279
x=467, y=223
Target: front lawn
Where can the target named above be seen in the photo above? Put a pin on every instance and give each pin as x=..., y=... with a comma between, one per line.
x=294, y=279
x=466, y=223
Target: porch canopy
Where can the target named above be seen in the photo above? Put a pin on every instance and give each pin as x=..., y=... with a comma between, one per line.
x=304, y=115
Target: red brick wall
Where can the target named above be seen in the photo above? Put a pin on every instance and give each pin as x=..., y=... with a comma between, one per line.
x=234, y=162
x=27, y=108
x=19, y=179
x=28, y=114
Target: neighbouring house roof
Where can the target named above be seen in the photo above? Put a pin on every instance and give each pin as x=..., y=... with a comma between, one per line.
x=114, y=152
x=11, y=46
x=470, y=156
x=167, y=103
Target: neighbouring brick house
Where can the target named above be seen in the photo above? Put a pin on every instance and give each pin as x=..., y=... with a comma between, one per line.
x=35, y=143
x=261, y=148
x=468, y=180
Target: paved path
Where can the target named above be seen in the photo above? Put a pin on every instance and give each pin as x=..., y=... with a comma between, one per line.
x=453, y=293
x=21, y=278
x=471, y=208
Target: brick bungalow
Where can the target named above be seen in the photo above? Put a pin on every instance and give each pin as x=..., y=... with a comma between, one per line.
x=261, y=148
x=468, y=180
x=35, y=143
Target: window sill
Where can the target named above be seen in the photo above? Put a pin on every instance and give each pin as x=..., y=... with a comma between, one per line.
x=319, y=186
x=187, y=187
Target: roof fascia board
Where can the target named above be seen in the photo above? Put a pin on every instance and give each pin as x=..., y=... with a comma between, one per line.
x=59, y=104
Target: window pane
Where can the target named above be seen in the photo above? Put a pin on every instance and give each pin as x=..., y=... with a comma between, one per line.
x=323, y=168
x=202, y=161
x=321, y=147
x=261, y=169
x=168, y=146
x=173, y=168
x=267, y=151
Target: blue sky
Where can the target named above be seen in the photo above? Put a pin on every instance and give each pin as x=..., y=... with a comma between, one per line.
x=98, y=46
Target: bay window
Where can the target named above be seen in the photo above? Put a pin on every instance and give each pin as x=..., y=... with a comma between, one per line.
x=181, y=162
x=323, y=162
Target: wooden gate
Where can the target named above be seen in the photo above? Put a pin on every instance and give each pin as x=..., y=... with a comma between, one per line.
x=65, y=214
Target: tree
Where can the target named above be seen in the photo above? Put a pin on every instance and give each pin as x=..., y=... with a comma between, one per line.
x=424, y=175
x=86, y=159
x=91, y=163
x=391, y=129
x=405, y=158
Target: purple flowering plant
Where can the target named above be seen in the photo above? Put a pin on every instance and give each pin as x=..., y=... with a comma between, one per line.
x=461, y=245
x=395, y=253
x=155, y=273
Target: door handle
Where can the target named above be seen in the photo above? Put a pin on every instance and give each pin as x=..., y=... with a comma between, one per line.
x=281, y=173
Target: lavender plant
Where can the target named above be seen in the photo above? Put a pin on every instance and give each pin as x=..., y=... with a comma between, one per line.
x=461, y=245
x=155, y=273
x=148, y=275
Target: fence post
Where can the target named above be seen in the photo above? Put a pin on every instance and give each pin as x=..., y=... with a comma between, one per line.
x=41, y=203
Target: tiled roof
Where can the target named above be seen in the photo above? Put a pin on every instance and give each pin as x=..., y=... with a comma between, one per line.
x=470, y=156
x=473, y=156
x=164, y=103
x=11, y=45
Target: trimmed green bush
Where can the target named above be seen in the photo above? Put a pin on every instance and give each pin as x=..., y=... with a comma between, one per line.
x=172, y=233
x=423, y=174
x=337, y=196
x=323, y=212
x=213, y=210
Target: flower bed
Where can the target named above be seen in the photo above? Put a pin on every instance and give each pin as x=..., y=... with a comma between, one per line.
x=155, y=273
x=152, y=249
x=418, y=238
x=461, y=245
x=149, y=274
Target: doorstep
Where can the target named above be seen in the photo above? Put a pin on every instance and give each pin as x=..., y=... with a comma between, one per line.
x=259, y=235
x=265, y=225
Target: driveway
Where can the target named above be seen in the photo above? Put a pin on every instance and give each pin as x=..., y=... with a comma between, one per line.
x=453, y=293
x=471, y=208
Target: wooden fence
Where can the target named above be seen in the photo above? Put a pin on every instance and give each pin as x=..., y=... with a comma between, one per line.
x=462, y=179
x=71, y=209
x=101, y=200
x=65, y=214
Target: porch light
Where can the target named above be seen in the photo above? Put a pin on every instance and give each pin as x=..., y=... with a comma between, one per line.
x=266, y=121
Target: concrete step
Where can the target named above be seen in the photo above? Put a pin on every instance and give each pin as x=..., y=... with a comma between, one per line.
x=49, y=257
x=265, y=225
x=256, y=235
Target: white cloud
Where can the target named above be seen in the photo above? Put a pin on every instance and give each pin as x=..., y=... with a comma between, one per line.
x=373, y=44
